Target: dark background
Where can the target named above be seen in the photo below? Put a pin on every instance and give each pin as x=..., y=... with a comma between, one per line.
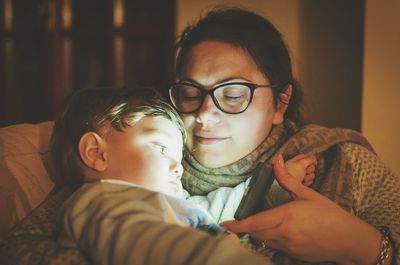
x=44, y=55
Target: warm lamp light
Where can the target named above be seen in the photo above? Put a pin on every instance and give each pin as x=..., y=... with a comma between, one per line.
x=118, y=13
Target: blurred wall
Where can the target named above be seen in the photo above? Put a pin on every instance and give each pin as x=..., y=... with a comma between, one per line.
x=331, y=61
x=336, y=49
x=381, y=93
x=284, y=14
x=51, y=47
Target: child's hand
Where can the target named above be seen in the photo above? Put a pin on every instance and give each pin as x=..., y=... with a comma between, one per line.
x=302, y=167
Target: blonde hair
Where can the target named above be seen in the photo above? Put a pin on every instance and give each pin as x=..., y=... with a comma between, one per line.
x=101, y=110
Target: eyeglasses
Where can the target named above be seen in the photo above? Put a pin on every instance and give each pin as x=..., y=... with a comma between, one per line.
x=231, y=98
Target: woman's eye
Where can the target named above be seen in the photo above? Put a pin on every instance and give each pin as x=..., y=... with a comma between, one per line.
x=190, y=98
x=233, y=93
x=190, y=95
x=232, y=98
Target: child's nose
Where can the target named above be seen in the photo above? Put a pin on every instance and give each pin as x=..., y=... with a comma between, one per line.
x=178, y=170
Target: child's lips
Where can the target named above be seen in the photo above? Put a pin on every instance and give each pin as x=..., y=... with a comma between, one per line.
x=176, y=186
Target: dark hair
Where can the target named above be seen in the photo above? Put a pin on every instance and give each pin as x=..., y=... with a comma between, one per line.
x=101, y=110
x=256, y=35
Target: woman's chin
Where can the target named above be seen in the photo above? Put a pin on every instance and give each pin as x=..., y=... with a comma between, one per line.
x=211, y=160
x=215, y=155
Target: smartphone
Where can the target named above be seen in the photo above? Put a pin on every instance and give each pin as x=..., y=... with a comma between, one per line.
x=253, y=200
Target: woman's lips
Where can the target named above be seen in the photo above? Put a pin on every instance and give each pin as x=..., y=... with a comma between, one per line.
x=209, y=139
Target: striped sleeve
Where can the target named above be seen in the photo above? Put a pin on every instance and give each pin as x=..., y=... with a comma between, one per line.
x=116, y=224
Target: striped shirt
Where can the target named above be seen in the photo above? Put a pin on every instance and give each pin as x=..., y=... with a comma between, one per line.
x=119, y=224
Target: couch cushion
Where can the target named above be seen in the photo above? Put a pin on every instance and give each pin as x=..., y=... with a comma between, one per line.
x=24, y=170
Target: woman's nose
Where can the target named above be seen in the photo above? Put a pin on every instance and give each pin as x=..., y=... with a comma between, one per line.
x=208, y=113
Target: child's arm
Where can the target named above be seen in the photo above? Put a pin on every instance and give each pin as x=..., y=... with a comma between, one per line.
x=127, y=226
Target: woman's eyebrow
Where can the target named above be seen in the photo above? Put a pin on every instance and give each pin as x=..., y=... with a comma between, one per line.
x=221, y=81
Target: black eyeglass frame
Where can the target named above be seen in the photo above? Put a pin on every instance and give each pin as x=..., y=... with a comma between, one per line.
x=204, y=93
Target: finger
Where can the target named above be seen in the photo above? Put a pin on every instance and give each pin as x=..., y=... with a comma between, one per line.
x=266, y=234
x=262, y=221
x=310, y=169
x=307, y=183
x=309, y=177
x=309, y=160
x=299, y=157
x=290, y=184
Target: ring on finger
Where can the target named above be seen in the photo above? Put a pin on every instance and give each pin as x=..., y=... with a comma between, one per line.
x=263, y=243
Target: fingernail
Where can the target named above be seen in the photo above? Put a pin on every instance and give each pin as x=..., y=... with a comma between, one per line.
x=280, y=160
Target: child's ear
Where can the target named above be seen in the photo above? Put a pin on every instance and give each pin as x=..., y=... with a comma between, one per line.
x=282, y=105
x=92, y=151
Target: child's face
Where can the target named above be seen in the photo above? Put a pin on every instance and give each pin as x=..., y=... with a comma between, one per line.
x=148, y=154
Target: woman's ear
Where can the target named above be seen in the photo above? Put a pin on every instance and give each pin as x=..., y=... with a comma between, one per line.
x=282, y=105
x=92, y=151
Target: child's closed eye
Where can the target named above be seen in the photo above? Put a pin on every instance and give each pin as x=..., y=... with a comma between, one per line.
x=162, y=148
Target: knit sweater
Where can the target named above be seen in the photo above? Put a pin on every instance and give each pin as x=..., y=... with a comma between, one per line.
x=348, y=172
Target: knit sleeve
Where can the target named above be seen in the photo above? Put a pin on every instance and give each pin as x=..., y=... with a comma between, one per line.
x=376, y=192
x=128, y=226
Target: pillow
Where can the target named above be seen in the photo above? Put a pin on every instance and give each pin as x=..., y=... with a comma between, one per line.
x=24, y=170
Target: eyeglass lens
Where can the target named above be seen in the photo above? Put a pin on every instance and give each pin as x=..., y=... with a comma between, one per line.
x=230, y=98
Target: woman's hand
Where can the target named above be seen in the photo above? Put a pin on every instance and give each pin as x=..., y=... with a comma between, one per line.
x=311, y=227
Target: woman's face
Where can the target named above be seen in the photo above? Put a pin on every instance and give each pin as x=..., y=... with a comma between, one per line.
x=216, y=138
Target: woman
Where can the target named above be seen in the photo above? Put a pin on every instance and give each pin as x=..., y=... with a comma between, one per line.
x=239, y=102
